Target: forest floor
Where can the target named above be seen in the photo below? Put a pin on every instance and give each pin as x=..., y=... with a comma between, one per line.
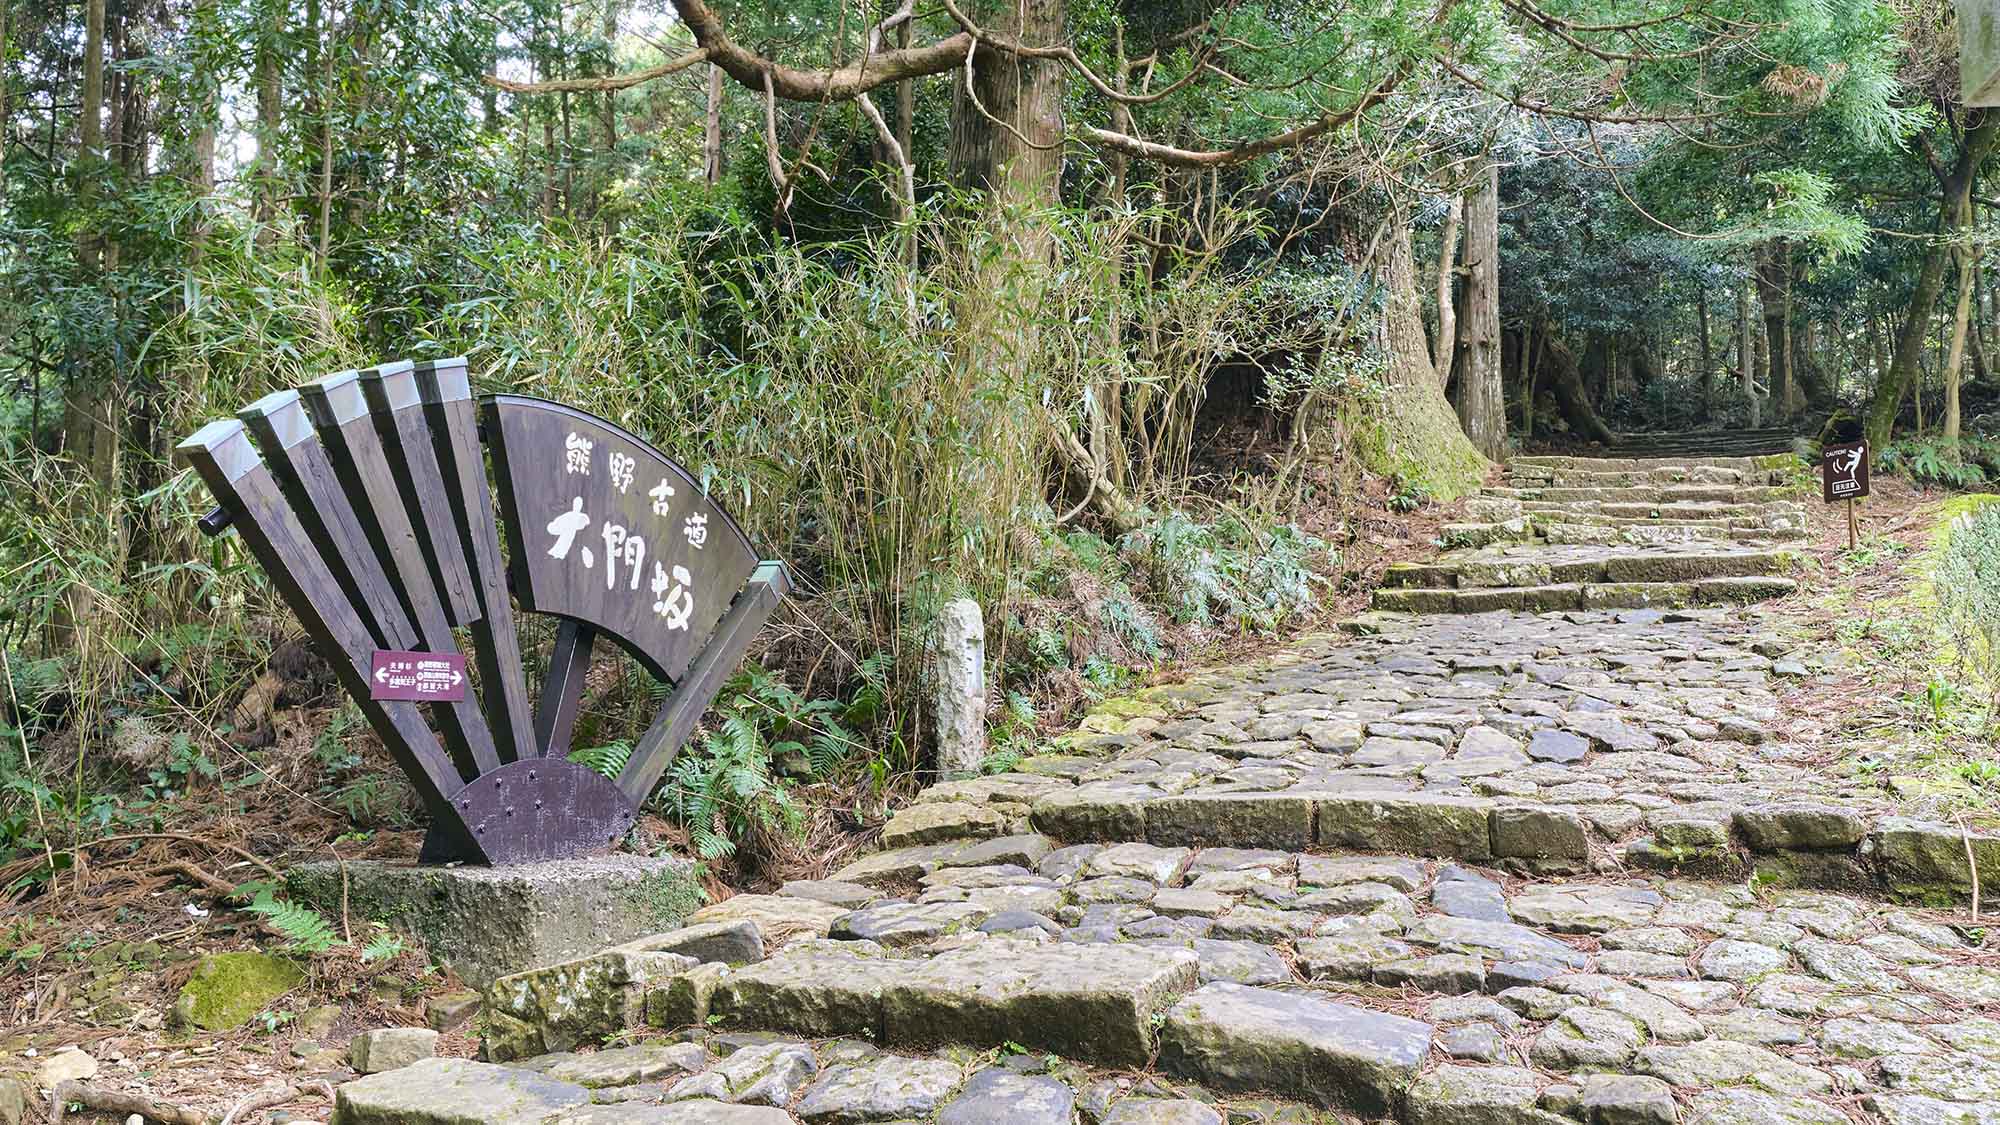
x=96, y=964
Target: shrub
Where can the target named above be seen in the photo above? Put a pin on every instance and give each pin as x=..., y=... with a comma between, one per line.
x=1967, y=579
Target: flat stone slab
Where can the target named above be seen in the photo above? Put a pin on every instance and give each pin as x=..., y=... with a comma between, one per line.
x=1235, y=1037
x=455, y=1092
x=1090, y=1002
x=820, y=988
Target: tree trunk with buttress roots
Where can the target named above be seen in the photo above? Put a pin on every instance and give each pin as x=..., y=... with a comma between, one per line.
x=1409, y=430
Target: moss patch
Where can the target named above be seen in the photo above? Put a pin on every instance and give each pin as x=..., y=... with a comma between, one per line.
x=1413, y=434
x=228, y=988
x=668, y=897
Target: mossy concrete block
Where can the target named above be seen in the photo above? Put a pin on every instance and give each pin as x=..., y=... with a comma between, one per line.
x=488, y=922
x=228, y=988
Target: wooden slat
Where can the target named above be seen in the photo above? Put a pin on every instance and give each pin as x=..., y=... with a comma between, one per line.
x=222, y=454
x=347, y=430
x=454, y=430
x=562, y=692
x=397, y=409
x=292, y=450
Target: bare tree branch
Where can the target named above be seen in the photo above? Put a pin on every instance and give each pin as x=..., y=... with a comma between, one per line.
x=1246, y=150
x=602, y=83
x=838, y=84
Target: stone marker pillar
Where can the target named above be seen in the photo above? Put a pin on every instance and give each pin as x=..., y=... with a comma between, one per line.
x=958, y=688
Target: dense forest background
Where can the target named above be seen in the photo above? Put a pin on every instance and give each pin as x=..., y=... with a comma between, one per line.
x=1143, y=324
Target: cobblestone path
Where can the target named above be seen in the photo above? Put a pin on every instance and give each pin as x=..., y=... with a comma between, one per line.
x=1449, y=869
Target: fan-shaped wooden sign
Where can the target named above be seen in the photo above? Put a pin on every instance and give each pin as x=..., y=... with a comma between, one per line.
x=365, y=496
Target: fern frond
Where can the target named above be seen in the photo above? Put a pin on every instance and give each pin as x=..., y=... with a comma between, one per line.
x=304, y=928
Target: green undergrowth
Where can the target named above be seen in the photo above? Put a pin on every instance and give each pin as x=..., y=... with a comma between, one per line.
x=1935, y=648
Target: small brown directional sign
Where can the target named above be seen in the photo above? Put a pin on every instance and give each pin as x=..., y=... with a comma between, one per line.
x=423, y=677
x=1844, y=471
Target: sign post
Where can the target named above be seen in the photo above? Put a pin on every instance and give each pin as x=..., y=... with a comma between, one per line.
x=1844, y=476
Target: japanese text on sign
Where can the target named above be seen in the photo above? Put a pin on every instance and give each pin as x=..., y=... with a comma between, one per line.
x=424, y=677
x=672, y=589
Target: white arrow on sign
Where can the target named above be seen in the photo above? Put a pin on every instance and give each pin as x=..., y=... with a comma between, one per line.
x=381, y=675
x=456, y=678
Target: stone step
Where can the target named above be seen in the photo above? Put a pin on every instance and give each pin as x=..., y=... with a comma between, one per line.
x=1523, y=476
x=1575, y=595
x=1662, y=534
x=1641, y=464
x=1242, y=1039
x=1652, y=494
x=1531, y=565
x=1600, y=530
x=1677, y=510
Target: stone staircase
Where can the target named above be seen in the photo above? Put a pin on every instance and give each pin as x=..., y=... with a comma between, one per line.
x=1576, y=533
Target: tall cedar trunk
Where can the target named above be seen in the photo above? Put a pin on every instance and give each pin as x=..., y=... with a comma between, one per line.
x=1006, y=128
x=361, y=44
x=1529, y=377
x=906, y=98
x=1447, y=325
x=270, y=111
x=1410, y=430
x=489, y=96
x=1954, y=196
x=608, y=112
x=1961, y=318
x=325, y=79
x=1746, y=355
x=201, y=156
x=1707, y=351
x=90, y=129
x=1770, y=276
x=90, y=422
x=1482, y=401
x=6, y=121
x=1005, y=145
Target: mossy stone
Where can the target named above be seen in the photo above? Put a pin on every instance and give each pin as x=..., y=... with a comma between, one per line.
x=228, y=988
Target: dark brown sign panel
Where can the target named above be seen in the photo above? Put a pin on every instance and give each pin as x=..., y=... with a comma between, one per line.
x=605, y=529
x=1844, y=471
x=421, y=677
